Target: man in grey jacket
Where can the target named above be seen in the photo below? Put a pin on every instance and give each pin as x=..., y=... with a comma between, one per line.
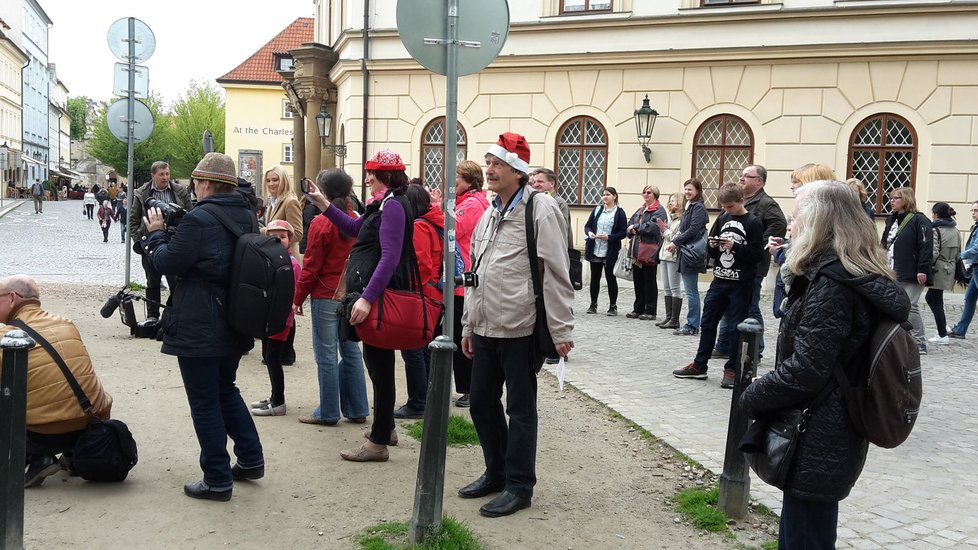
x=498, y=323
x=162, y=189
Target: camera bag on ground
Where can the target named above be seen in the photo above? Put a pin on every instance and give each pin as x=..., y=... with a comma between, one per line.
x=106, y=450
x=884, y=406
x=262, y=285
x=543, y=342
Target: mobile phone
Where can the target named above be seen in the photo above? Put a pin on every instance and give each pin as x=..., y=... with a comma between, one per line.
x=304, y=185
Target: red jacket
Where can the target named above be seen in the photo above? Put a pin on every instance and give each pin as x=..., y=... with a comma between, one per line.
x=468, y=210
x=326, y=253
x=428, y=245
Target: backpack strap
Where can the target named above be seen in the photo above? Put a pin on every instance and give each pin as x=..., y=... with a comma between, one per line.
x=83, y=400
x=221, y=216
x=531, y=248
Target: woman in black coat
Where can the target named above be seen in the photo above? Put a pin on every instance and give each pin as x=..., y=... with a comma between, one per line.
x=691, y=227
x=194, y=328
x=605, y=229
x=909, y=240
x=842, y=285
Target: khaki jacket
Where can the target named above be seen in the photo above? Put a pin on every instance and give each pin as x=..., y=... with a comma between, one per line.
x=502, y=306
x=52, y=407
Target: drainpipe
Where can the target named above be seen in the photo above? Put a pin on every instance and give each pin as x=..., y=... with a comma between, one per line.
x=366, y=94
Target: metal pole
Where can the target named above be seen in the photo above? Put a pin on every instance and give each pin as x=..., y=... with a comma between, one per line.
x=429, y=490
x=735, y=479
x=131, y=114
x=13, y=437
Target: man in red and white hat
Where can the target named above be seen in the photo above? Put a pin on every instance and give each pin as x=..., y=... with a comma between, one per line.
x=498, y=323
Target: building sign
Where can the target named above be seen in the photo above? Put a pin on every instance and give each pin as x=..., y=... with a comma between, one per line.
x=250, y=167
x=266, y=131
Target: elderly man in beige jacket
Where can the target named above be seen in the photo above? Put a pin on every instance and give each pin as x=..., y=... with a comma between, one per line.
x=498, y=322
x=54, y=417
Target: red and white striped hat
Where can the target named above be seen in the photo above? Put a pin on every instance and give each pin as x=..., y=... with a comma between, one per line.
x=513, y=150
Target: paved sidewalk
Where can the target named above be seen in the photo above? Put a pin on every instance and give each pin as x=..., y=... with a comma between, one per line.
x=922, y=494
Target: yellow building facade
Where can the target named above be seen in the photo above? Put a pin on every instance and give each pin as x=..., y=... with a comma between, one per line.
x=12, y=59
x=880, y=90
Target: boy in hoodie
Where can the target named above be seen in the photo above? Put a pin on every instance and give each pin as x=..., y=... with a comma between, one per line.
x=736, y=245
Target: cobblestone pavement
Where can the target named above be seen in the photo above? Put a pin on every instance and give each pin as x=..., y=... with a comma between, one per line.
x=62, y=245
x=922, y=494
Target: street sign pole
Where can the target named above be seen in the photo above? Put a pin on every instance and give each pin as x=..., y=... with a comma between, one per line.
x=131, y=111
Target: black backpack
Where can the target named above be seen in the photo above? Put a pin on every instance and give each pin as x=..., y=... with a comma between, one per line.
x=884, y=406
x=262, y=285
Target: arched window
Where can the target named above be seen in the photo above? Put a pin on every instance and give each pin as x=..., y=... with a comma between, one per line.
x=883, y=155
x=433, y=153
x=723, y=145
x=582, y=161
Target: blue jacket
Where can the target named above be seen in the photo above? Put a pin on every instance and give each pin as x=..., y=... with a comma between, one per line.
x=199, y=256
x=618, y=232
x=970, y=252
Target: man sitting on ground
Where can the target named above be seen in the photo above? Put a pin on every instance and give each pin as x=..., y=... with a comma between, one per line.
x=55, y=419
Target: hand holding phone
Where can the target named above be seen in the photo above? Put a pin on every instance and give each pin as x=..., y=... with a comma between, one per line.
x=304, y=185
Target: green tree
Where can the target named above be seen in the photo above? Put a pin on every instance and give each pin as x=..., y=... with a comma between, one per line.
x=78, y=110
x=200, y=108
x=105, y=147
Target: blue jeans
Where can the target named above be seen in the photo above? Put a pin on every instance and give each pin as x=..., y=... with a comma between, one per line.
x=724, y=298
x=218, y=412
x=970, y=297
x=753, y=311
x=692, y=291
x=807, y=524
x=342, y=385
x=416, y=365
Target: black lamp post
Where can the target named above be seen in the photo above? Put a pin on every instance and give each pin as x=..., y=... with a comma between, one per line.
x=644, y=123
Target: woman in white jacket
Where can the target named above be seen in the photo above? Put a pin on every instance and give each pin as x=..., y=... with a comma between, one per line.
x=670, y=263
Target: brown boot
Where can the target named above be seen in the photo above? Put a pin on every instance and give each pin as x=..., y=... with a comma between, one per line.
x=677, y=307
x=668, y=316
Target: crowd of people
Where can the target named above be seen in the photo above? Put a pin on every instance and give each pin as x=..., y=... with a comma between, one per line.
x=345, y=256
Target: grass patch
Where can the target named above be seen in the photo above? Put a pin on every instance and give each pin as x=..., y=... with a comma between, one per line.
x=770, y=545
x=136, y=287
x=699, y=507
x=461, y=432
x=454, y=535
x=762, y=510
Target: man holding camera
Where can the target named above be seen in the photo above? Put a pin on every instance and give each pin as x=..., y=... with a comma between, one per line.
x=162, y=189
x=498, y=324
x=55, y=420
x=195, y=328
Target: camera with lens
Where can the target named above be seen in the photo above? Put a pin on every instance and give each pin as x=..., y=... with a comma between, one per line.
x=469, y=278
x=172, y=212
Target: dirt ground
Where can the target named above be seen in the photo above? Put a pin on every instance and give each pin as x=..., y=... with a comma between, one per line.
x=600, y=485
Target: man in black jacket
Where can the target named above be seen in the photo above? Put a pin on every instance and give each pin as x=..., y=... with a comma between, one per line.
x=195, y=330
x=752, y=180
x=162, y=189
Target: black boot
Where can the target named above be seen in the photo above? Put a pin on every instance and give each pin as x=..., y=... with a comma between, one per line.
x=593, y=308
x=677, y=307
x=665, y=320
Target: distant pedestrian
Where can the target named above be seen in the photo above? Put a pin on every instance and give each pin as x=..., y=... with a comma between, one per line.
x=645, y=226
x=88, y=204
x=691, y=227
x=908, y=239
x=842, y=285
x=37, y=193
x=947, y=249
x=969, y=256
x=105, y=217
x=121, y=215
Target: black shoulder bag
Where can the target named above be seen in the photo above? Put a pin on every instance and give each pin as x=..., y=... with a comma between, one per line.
x=542, y=343
x=106, y=450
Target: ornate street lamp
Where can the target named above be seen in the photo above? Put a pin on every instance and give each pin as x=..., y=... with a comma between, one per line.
x=324, y=121
x=644, y=123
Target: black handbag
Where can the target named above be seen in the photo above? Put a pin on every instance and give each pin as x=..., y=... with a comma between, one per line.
x=542, y=343
x=692, y=256
x=106, y=450
x=576, y=268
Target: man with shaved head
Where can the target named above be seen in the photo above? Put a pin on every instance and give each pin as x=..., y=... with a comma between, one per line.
x=55, y=419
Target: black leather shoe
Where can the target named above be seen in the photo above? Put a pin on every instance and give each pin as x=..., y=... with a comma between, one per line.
x=504, y=505
x=480, y=488
x=407, y=412
x=199, y=489
x=238, y=473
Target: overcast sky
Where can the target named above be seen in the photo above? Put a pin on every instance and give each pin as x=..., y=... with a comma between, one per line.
x=195, y=39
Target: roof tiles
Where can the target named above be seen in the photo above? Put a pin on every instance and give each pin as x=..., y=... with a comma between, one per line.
x=260, y=67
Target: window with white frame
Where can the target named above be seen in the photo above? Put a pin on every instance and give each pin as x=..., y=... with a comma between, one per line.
x=286, y=110
x=287, y=153
x=583, y=6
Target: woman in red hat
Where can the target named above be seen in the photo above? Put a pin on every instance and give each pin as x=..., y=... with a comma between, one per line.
x=378, y=260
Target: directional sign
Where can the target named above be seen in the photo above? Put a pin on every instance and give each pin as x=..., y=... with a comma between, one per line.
x=483, y=26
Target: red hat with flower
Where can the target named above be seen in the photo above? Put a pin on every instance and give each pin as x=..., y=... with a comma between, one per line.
x=513, y=150
x=385, y=160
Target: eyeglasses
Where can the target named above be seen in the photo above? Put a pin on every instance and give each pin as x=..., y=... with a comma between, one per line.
x=646, y=192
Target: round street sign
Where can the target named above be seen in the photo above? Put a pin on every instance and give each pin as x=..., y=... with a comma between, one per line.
x=145, y=42
x=117, y=120
x=483, y=26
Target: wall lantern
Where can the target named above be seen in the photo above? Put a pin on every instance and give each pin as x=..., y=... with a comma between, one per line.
x=644, y=123
x=324, y=121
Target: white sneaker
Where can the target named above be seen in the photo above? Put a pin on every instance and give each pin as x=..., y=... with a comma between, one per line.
x=269, y=410
x=940, y=340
